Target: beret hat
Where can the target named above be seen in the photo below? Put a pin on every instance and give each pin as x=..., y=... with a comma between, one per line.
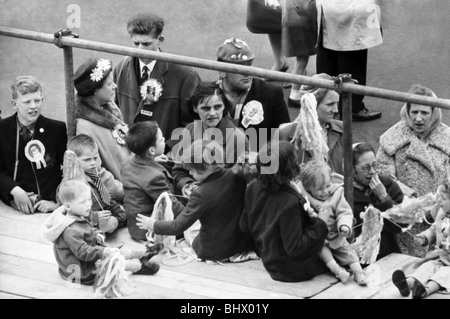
x=235, y=50
x=90, y=75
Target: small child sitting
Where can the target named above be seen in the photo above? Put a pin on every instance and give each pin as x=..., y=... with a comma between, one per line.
x=107, y=213
x=143, y=178
x=217, y=203
x=433, y=274
x=324, y=195
x=77, y=245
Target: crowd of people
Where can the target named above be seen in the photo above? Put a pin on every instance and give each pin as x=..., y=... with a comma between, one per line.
x=229, y=157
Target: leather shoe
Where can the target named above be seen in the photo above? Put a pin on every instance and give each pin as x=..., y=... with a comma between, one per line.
x=399, y=280
x=366, y=115
x=293, y=103
x=151, y=251
x=148, y=268
x=418, y=290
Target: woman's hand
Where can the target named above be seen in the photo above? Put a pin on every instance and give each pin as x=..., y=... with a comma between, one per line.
x=421, y=240
x=378, y=188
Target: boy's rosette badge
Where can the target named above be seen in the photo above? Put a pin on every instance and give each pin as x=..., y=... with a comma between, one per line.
x=119, y=132
x=151, y=91
x=252, y=113
x=35, y=152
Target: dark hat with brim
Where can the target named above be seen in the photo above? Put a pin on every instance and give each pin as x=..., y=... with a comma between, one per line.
x=91, y=75
x=236, y=51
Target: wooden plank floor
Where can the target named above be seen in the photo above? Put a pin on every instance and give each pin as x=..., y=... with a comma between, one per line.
x=28, y=270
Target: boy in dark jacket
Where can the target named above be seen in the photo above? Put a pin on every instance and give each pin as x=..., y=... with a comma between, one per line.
x=143, y=178
x=217, y=203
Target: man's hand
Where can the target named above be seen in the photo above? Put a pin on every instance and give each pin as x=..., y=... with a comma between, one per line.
x=22, y=200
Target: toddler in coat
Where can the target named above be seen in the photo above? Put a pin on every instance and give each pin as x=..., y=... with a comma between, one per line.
x=324, y=195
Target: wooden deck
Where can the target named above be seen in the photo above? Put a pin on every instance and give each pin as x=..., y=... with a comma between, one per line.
x=28, y=270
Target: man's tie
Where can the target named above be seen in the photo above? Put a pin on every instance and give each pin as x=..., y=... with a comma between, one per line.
x=144, y=76
x=25, y=134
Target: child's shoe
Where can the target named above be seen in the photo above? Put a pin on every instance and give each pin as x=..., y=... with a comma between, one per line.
x=343, y=275
x=418, y=290
x=360, y=277
x=148, y=268
x=399, y=280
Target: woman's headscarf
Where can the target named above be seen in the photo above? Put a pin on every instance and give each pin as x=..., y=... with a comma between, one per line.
x=436, y=113
x=319, y=93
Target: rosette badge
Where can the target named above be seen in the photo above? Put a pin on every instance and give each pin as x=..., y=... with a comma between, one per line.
x=151, y=91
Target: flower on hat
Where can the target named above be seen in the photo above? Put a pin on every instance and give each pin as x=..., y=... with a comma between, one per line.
x=96, y=75
x=102, y=66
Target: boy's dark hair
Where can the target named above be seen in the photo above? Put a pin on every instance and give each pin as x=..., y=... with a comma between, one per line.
x=360, y=149
x=145, y=23
x=141, y=136
x=79, y=143
x=288, y=168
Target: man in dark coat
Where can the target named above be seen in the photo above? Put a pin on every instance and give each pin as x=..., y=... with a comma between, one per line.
x=255, y=105
x=31, y=151
x=173, y=84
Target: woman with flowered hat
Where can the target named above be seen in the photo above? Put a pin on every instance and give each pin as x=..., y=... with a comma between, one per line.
x=97, y=115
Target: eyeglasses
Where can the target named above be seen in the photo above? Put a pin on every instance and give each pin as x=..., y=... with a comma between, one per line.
x=366, y=168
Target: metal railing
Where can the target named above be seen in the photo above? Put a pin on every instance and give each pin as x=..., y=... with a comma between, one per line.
x=345, y=87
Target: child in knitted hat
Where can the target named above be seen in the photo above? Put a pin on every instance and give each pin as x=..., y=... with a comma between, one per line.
x=78, y=245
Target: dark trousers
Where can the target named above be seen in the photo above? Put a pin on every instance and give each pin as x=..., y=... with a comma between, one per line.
x=337, y=62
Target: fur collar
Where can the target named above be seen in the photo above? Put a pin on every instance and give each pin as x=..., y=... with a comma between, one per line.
x=108, y=116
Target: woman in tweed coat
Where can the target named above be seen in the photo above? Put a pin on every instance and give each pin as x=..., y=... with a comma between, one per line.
x=416, y=151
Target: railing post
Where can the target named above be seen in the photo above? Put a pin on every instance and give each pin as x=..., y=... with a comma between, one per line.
x=70, y=91
x=348, y=136
x=68, y=78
